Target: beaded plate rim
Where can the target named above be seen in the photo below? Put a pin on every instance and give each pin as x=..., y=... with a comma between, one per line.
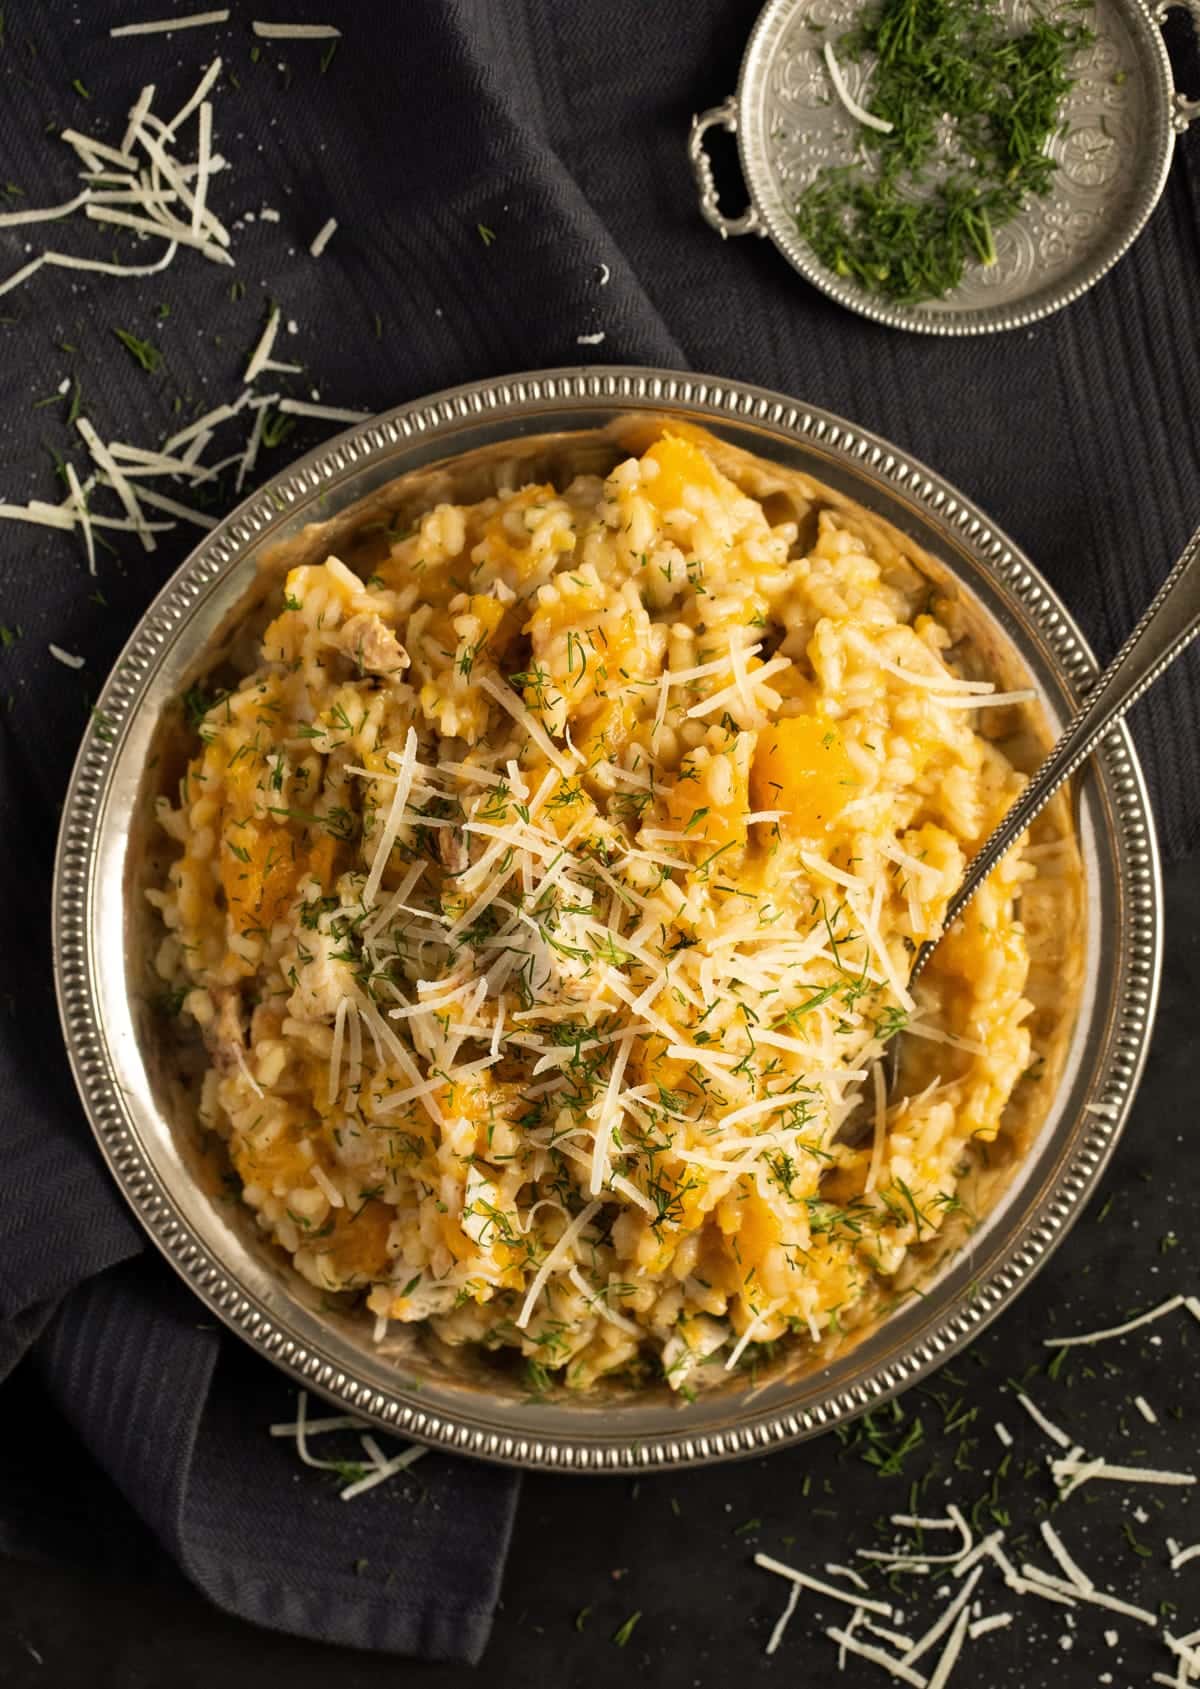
x=539, y=396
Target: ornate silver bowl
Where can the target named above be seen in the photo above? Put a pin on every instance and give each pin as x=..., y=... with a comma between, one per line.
x=132, y=1081
x=1121, y=120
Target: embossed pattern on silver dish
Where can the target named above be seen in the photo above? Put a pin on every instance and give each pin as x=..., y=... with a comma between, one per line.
x=1120, y=122
x=141, y=1122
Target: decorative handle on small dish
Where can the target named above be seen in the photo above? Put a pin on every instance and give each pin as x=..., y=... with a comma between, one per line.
x=1186, y=111
x=723, y=116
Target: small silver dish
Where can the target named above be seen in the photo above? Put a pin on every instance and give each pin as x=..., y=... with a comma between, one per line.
x=134, y=1083
x=1121, y=119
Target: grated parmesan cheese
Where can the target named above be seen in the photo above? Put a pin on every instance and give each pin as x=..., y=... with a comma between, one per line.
x=104, y=460
x=98, y=151
x=1058, y=1549
x=295, y=31
x=953, y=1611
x=1163, y=1308
x=555, y=1255
x=260, y=354
x=314, y=1427
x=1054, y=1432
x=1081, y=1471
x=164, y=228
x=79, y=504
x=249, y=457
x=45, y=213
x=1094, y=1597
x=783, y=1620
x=323, y=237
x=844, y=95
x=389, y=1469
x=608, y=1116
x=995, y=1621
x=949, y=1659
x=164, y=26
x=157, y=501
x=329, y=413
x=866, y=1603
x=21, y=275
x=877, y=1656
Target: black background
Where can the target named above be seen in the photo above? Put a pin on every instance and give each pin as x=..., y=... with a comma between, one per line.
x=560, y=127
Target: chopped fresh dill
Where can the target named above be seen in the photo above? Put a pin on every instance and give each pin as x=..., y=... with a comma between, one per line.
x=623, y=1632
x=972, y=108
x=142, y=351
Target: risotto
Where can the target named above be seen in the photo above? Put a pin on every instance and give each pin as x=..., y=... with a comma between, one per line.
x=545, y=901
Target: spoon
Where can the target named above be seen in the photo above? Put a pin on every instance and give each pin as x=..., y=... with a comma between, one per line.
x=1167, y=629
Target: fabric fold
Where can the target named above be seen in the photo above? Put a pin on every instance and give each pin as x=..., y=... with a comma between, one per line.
x=178, y=1416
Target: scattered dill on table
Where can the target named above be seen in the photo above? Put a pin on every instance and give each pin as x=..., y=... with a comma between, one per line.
x=972, y=108
x=143, y=352
x=623, y=1632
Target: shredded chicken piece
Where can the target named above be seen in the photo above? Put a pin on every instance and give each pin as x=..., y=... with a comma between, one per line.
x=372, y=645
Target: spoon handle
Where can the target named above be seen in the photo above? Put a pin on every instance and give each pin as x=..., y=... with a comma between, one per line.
x=1167, y=628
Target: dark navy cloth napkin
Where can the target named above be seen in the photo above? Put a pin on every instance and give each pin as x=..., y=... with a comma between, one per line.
x=510, y=183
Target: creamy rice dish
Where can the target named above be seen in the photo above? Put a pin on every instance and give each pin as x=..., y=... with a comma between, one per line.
x=546, y=898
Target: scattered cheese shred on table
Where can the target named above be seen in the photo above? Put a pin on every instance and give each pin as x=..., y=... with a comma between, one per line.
x=105, y=461
x=337, y=1422
x=331, y=413
x=1163, y=1308
x=261, y=353
x=323, y=237
x=945, y=1619
x=949, y=1659
x=21, y=275
x=389, y=1469
x=782, y=1621
x=45, y=213
x=67, y=657
x=820, y=1588
x=836, y=1571
x=145, y=173
x=1073, y=1573
x=1094, y=1597
x=877, y=1656
x=994, y=1621
x=61, y=519
x=961, y=1617
x=163, y=26
x=1083, y=1470
x=1054, y=1432
x=382, y=1467
x=295, y=31
x=79, y=499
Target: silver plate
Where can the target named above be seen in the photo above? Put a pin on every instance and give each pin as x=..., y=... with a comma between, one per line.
x=141, y=1118
x=1121, y=119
